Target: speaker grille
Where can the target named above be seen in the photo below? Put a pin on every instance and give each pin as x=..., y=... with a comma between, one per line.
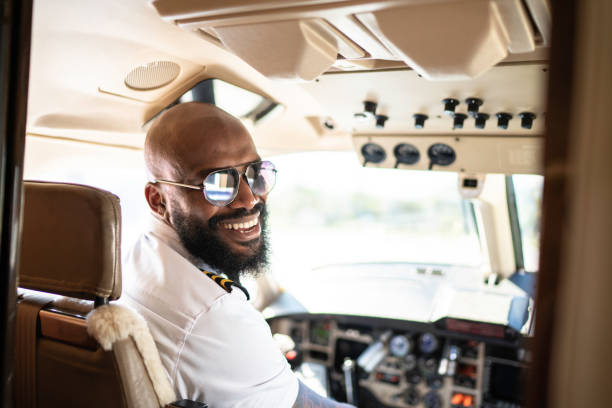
x=152, y=75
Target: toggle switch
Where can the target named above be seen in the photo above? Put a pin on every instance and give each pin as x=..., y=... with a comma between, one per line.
x=369, y=111
x=419, y=120
x=380, y=121
x=449, y=105
x=370, y=107
x=458, y=119
x=473, y=105
x=481, y=120
x=502, y=119
x=527, y=119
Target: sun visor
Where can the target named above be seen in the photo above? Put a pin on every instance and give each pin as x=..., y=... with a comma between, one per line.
x=433, y=40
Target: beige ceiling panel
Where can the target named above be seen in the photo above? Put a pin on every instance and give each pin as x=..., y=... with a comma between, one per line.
x=431, y=39
x=115, y=82
x=293, y=50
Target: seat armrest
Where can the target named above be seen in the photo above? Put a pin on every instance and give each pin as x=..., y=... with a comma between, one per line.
x=187, y=404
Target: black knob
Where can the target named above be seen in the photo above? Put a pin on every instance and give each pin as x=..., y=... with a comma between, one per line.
x=449, y=105
x=370, y=107
x=458, y=119
x=502, y=119
x=419, y=120
x=527, y=119
x=473, y=105
x=380, y=121
x=481, y=120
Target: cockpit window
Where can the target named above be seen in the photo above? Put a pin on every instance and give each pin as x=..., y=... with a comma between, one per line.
x=327, y=209
x=528, y=191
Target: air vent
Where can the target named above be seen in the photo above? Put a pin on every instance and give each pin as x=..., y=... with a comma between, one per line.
x=152, y=75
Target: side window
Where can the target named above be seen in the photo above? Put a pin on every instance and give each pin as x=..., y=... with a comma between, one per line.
x=528, y=190
x=118, y=170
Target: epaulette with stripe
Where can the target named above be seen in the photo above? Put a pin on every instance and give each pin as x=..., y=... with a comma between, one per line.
x=226, y=283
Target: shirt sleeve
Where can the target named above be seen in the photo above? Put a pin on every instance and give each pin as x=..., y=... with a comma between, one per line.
x=229, y=359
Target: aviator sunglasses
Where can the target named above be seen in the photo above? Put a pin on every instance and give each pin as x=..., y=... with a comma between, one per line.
x=220, y=187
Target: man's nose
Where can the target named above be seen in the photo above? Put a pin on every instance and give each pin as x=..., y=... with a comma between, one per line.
x=245, y=197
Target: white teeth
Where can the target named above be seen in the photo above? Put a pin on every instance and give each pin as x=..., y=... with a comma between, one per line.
x=242, y=225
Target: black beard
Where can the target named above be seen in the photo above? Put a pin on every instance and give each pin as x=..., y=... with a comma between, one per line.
x=203, y=243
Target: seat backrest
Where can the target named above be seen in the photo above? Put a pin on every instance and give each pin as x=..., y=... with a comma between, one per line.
x=70, y=255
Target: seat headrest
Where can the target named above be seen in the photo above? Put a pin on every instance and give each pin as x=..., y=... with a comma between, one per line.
x=71, y=241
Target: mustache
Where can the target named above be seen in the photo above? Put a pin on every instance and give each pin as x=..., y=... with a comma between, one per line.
x=241, y=212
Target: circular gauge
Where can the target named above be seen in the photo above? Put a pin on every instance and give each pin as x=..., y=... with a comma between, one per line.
x=399, y=346
x=410, y=362
x=373, y=153
x=428, y=366
x=412, y=397
x=428, y=343
x=432, y=400
x=413, y=377
x=406, y=153
x=441, y=154
x=435, y=381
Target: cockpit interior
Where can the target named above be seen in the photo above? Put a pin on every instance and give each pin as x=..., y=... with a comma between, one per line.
x=439, y=229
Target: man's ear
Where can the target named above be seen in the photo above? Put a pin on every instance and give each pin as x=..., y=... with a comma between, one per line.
x=156, y=200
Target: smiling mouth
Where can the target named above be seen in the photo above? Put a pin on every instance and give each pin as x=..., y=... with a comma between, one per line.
x=242, y=230
x=241, y=225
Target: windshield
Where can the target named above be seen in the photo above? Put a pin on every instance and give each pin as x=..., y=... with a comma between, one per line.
x=327, y=209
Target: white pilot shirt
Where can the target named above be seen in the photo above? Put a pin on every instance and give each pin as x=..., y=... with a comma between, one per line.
x=214, y=345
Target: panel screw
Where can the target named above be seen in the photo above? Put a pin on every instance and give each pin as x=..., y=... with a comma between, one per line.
x=502, y=119
x=419, y=120
x=481, y=120
x=527, y=119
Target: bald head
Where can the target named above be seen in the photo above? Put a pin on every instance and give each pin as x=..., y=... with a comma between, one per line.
x=191, y=135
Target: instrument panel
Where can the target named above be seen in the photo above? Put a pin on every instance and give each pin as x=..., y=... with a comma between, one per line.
x=374, y=362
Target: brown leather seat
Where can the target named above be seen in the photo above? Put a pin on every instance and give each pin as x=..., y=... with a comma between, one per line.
x=71, y=247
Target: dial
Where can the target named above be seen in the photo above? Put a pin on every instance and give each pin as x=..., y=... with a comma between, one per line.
x=435, y=381
x=428, y=365
x=373, y=153
x=412, y=397
x=441, y=154
x=428, y=343
x=410, y=362
x=414, y=377
x=399, y=346
x=432, y=400
x=406, y=153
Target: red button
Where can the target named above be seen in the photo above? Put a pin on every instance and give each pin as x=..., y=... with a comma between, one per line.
x=291, y=354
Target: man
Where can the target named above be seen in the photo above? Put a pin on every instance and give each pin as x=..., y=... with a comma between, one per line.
x=207, y=196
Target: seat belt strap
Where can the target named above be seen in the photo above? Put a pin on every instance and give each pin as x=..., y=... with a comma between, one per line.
x=25, y=349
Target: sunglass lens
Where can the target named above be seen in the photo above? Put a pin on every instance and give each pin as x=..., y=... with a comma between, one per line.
x=261, y=177
x=220, y=187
